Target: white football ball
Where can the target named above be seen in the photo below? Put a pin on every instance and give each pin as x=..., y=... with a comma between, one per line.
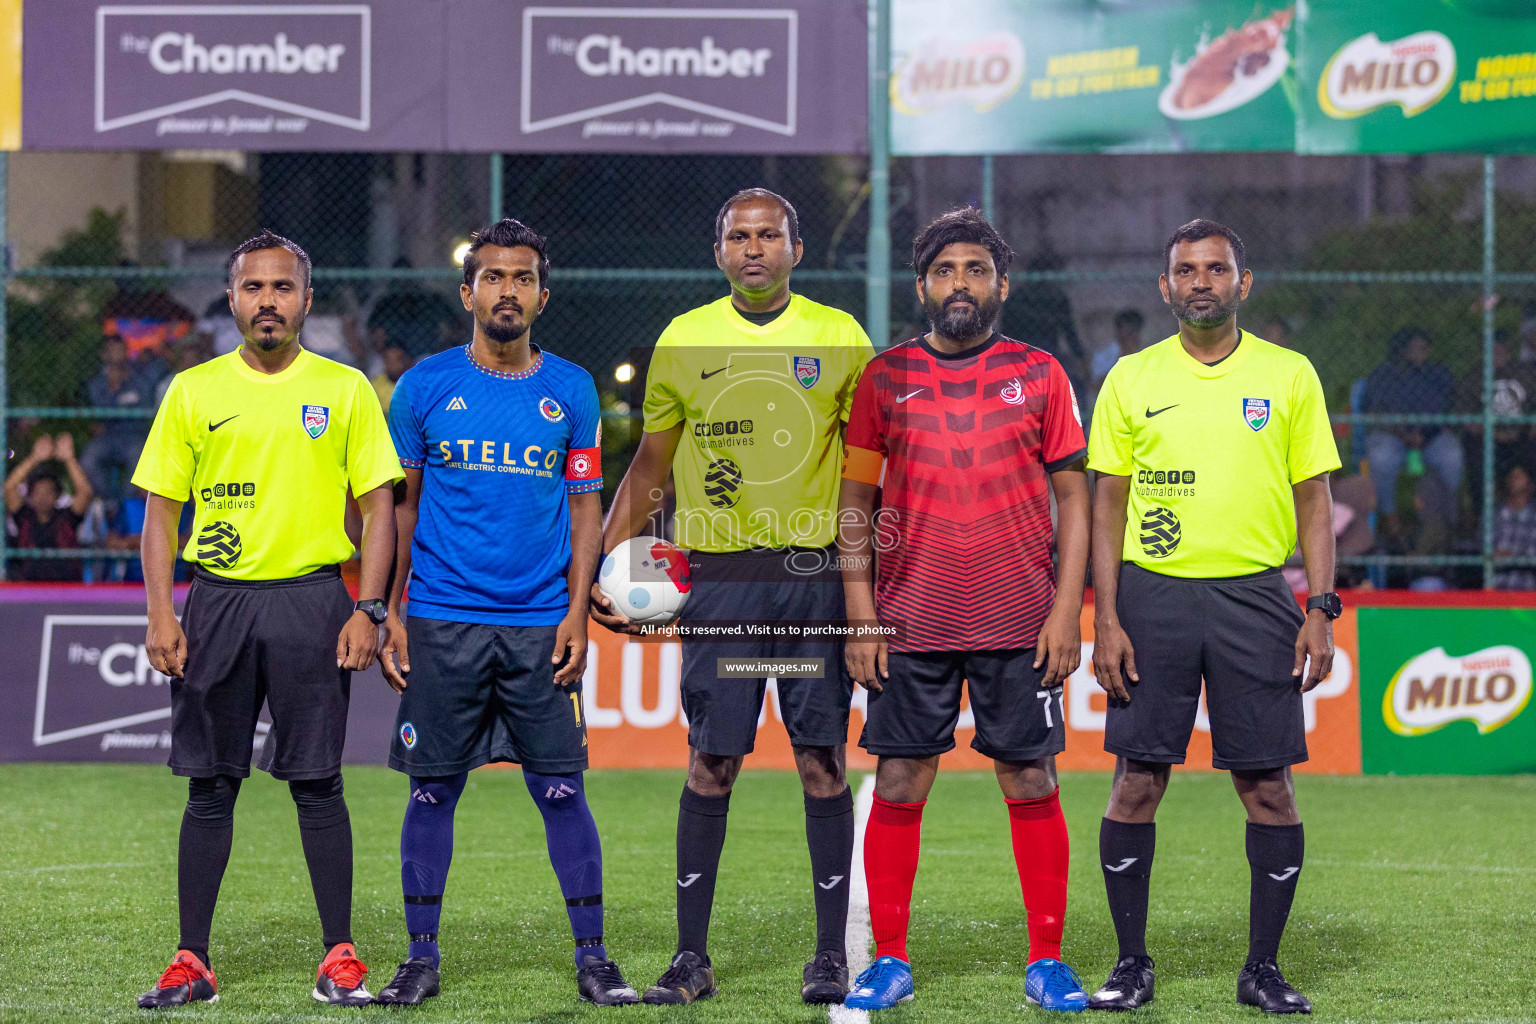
x=647, y=579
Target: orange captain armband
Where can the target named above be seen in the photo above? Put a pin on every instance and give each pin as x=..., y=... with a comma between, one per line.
x=862, y=465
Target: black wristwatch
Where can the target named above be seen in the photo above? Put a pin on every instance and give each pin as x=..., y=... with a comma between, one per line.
x=376, y=610
x=1329, y=604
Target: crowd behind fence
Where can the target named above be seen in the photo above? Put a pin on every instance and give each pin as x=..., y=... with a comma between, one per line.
x=1409, y=282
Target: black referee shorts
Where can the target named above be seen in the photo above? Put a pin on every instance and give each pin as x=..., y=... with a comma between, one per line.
x=1238, y=634
x=915, y=711
x=764, y=585
x=267, y=640
x=483, y=693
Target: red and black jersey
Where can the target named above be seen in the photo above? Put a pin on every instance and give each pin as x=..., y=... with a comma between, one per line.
x=960, y=446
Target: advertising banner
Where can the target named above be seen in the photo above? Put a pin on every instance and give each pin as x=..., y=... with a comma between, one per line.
x=658, y=76
x=81, y=689
x=456, y=75
x=1003, y=77
x=1447, y=691
x=77, y=685
x=10, y=74
x=1418, y=76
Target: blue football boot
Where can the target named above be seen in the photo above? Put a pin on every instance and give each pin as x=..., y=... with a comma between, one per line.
x=887, y=981
x=1052, y=985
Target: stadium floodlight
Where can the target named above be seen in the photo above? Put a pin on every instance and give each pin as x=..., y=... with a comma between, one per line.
x=459, y=252
x=624, y=373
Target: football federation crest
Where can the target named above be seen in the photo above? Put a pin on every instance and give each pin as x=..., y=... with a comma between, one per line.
x=581, y=466
x=408, y=735
x=1256, y=412
x=550, y=410
x=807, y=371
x=1013, y=392
x=316, y=419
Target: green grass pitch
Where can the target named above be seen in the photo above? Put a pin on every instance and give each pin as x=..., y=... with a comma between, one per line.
x=1418, y=901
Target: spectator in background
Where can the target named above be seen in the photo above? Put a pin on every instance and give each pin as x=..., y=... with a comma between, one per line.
x=37, y=519
x=1043, y=318
x=1435, y=505
x=1514, y=531
x=1128, y=325
x=116, y=441
x=420, y=321
x=1277, y=331
x=191, y=351
x=1409, y=383
x=396, y=362
x=1514, y=394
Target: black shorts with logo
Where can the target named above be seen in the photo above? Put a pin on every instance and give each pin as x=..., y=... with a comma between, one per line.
x=249, y=642
x=915, y=711
x=764, y=585
x=482, y=693
x=1238, y=634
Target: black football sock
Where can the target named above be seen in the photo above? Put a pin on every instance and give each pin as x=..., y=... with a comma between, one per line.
x=829, y=833
x=326, y=831
x=207, y=832
x=1125, y=851
x=1274, y=864
x=700, y=838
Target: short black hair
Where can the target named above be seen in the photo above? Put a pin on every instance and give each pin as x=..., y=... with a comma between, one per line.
x=506, y=234
x=1198, y=230
x=45, y=473
x=268, y=240
x=964, y=224
x=1403, y=337
x=746, y=195
x=1129, y=318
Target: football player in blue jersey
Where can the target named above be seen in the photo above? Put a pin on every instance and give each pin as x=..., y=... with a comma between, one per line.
x=491, y=656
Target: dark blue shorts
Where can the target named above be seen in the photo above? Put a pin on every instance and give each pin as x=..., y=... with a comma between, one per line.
x=481, y=693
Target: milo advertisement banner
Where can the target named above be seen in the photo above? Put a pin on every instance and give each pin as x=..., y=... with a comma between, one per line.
x=1000, y=77
x=1417, y=76
x=1447, y=691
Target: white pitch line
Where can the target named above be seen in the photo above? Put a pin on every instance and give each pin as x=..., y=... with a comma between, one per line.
x=857, y=936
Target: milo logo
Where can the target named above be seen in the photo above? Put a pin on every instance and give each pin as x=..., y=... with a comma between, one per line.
x=1414, y=72
x=1488, y=687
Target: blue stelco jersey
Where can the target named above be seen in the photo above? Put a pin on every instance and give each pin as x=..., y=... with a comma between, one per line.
x=499, y=452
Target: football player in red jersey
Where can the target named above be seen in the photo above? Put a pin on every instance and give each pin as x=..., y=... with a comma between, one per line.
x=965, y=435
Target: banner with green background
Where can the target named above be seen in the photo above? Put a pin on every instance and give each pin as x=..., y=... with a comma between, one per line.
x=1314, y=76
x=1446, y=691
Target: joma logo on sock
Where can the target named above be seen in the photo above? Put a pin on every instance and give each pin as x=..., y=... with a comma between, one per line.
x=691, y=879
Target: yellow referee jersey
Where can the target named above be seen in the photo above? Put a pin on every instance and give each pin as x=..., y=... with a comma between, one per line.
x=763, y=408
x=1212, y=453
x=269, y=459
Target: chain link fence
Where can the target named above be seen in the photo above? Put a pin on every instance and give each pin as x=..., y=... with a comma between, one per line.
x=1379, y=269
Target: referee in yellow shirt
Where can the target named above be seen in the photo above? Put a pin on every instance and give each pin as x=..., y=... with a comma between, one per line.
x=745, y=403
x=1211, y=448
x=269, y=439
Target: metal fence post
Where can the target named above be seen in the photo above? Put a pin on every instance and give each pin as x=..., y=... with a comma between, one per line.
x=877, y=288
x=988, y=188
x=497, y=185
x=5, y=280
x=1490, y=283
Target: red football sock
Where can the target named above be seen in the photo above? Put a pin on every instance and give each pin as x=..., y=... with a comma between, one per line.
x=1041, y=853
x=891, y=842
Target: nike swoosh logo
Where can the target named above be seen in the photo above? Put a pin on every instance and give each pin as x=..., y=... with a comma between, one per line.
x=691, y=878
x=706, y=374
x=1159, y=412
x=832, y=884
x=1287, y=873
x=1123, y=864
x=903, y=398
x=212, y=426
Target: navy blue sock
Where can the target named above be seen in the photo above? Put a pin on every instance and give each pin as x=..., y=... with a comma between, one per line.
x=576, y=853
x=426, y=849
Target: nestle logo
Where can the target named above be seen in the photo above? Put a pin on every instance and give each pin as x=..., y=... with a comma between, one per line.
x=170, y=64
x=729, y=67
